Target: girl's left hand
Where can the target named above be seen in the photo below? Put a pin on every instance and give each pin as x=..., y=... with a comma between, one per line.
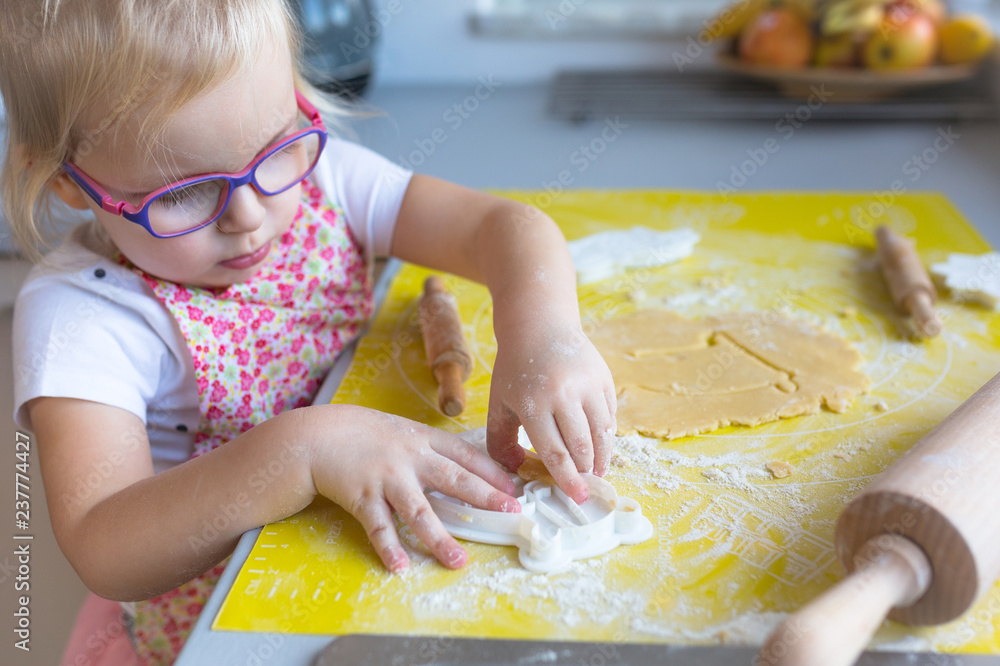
x=554, y=383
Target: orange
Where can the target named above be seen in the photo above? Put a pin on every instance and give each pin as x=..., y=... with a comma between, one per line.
x=965, y=39
x=777, y=38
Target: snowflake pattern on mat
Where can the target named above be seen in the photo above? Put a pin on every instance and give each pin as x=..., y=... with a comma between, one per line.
x=259, y=348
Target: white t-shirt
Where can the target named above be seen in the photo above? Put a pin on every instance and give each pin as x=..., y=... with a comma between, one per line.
x=88, y=328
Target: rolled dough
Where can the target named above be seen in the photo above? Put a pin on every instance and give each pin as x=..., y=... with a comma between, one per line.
x=533, y=469
x=678, y=376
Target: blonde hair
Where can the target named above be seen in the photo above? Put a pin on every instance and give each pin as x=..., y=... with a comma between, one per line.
x=65, y=62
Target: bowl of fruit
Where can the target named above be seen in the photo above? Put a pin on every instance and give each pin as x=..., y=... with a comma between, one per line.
x=854, y=50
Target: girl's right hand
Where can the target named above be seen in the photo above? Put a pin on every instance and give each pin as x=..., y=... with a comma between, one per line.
x=382, y=463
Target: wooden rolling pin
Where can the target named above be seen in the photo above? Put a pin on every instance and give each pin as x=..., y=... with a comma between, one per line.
x=922, y=540
x=444, y=342
x=910, y=285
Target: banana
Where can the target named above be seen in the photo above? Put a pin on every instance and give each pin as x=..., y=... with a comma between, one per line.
x=730, y=21
x=834, y=17
x=852, y=16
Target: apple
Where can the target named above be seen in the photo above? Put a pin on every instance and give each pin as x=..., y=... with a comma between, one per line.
x=777, y=38
x=905, y=39
x=934, y=9
x=836, y=51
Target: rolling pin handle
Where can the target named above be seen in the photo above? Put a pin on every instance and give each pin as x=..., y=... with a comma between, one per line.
x=921, y=305
x=444, y=344
x=434, y=285
x=909, y=284
x=451, y=391
x=833, y=629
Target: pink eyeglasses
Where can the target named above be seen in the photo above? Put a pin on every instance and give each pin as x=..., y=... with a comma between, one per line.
x=192, y=203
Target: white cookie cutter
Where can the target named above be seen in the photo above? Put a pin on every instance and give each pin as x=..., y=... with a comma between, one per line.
x=552, y=530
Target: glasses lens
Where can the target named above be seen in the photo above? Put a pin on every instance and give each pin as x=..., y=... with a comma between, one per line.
x=289, y=164
x=187, y=207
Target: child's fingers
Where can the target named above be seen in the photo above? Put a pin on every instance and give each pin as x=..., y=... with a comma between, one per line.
x=575, y=433
x=454, y=481
x=415, y=510
x=476, y=462
x=501, y=434
x=376, y=517
x=602, y=432
x=548, y=443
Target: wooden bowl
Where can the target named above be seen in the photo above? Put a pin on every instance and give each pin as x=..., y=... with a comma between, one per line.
x=847, y=85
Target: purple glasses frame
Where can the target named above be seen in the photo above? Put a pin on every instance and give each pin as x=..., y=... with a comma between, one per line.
x=140, y=214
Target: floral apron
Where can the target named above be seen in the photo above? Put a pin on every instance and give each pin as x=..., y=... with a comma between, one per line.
x=260, y=348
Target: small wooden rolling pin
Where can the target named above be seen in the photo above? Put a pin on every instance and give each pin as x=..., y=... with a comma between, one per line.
x=923, y=540
x=910, y=285
x=444, y=342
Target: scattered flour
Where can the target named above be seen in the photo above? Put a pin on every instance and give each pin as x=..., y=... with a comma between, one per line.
x=578, y=596
x=747, y=629
x=609, y=253
x=725, y=297
x=737, y=477
x=648, y=461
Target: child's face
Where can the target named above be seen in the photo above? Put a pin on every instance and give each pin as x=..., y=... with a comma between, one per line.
x=220, y=131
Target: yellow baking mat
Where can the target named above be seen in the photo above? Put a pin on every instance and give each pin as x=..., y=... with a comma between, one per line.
x=733, y=549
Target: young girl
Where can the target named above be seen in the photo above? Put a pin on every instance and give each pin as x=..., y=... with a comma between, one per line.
x=168, y=351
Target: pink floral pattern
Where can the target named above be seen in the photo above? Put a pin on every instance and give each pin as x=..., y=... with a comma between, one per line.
x=259, y=348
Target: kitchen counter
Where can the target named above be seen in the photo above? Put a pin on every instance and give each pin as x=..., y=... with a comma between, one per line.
x=500, y=137
x=509, y=142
